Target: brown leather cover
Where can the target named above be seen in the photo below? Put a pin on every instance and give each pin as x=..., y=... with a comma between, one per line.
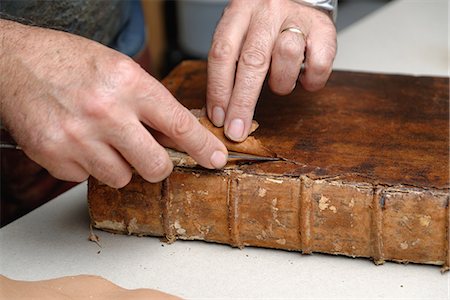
x=365, y=173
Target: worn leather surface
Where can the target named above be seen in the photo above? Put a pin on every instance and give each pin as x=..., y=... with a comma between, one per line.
x=376, y=128
x=365, y=174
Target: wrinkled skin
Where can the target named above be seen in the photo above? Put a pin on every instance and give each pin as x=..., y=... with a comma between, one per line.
x=79, y=108
x=248, y=42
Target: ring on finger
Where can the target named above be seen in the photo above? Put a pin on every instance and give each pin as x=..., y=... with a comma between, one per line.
x=295, y=29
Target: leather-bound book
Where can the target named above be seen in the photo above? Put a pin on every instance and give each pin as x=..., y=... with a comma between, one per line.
x=363, y=171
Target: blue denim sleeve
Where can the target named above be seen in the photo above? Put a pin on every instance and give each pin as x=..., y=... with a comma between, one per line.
x=132, y=37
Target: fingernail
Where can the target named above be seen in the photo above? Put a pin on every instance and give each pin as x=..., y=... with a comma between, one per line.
x=236, y=130
x=218, y=116
x=218, y=159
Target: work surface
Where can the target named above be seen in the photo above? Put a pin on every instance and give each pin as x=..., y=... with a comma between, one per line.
x=52, y=240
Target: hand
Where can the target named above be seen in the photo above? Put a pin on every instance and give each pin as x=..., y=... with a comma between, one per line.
x=77, y=108
x=248, y=40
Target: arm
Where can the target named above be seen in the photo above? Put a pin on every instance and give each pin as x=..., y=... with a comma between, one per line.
x=79, y=108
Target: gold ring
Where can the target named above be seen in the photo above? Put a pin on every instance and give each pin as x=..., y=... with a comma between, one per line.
x=295, y=30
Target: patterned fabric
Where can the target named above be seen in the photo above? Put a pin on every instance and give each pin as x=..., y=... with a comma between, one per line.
x=99, y=20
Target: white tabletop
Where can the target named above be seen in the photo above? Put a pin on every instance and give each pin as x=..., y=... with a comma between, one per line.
x=52, y=240
x=404, y=36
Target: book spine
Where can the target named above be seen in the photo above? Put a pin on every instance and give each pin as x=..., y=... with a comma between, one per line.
x=291, y=213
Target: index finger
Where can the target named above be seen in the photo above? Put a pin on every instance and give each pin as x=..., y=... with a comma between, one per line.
x=162, y=112
x=222, y=59
x=252, y=68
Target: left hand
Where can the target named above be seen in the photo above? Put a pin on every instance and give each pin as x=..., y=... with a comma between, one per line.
x=251, y=34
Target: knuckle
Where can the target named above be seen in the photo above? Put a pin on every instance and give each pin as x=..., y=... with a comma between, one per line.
x=160, y=169
x=119, y=180
x=323, y=60
x=183, y=123
x=128, y=136
x=58, y=174
x=45, y=150
x=289, y=50
x=97, y=108
x=280, y=87
x=49, y=147
x=319, y=69
x=72, y=131
x=79, y=177
x=254, y=58
x=122, y=73
x=96, y=166
x=201, y=146
x=126, y=71
x=68, y=174
x=128, y=130
x=221, y=50
x=321, y=66
x=108, y=172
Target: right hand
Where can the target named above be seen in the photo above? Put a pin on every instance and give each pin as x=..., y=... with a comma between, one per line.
x=77, y=108
x=250, y=43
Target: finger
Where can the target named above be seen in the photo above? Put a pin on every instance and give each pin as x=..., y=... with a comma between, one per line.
x=287, y=59
x=222, y=59
x=105, y=164
x=164, y=140
x=252, y=68
x=141, y=150
x=320, y=53
x=163, y=113
x=69, y=171
x=60, y=165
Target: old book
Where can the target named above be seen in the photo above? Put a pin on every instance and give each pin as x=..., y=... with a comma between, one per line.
x=365, y=173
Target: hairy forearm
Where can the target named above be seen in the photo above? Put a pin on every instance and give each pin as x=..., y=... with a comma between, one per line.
x=31, y=59
x=13, y=76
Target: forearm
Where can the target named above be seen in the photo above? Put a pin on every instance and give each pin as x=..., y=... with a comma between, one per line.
x=22, y=48
x=31, y=59
x=12, y=75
